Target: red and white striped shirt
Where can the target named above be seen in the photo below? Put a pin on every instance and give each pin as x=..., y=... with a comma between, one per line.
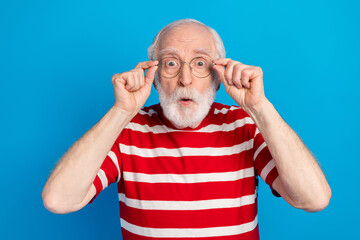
x=190, y=183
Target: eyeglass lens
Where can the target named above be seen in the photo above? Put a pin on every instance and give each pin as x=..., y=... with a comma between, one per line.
x=169, y=67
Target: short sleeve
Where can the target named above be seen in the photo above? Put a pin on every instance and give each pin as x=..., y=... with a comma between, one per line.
x=109, y=171
x=264, y=163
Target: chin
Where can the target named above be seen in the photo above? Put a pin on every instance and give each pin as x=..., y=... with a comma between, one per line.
x=190, y=115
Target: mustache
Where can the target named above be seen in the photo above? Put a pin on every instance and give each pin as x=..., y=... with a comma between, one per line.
x=186, y=93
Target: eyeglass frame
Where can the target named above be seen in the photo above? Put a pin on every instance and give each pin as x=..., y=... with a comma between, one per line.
x=182, y=63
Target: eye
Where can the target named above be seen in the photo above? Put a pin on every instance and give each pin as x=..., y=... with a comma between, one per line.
x=200, y=63
x=171, y=63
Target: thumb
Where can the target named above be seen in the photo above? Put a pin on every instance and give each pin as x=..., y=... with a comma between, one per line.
x=220, y=70
x=150, y=75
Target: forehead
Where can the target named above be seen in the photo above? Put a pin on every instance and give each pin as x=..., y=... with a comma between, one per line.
x=187, y=39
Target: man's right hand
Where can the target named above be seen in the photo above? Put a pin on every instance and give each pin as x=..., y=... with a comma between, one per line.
x=132, y=88
x=70, y=186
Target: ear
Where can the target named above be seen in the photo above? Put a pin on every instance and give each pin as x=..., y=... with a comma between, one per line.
x=156, y=81
x=216, y=78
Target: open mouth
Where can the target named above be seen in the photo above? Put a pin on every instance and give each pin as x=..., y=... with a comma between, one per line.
x=185, y=101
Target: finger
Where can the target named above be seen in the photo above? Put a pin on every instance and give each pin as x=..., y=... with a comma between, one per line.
x=245, y=77
x=226, y=84
x=236, y=76
x=220, y=70
x=130, y=82
x=118, y=76
x=138, y=75
x=135, y=84
x=256, y=78
x=119, y=79
x=150, y=75
x=222, y=61
x=141, y=79
x=146, y=64
x=229, y=72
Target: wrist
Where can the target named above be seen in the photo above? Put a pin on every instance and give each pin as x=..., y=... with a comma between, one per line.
x=128, y=113
x=262, y=112
x=124, y=115
x=258, y=108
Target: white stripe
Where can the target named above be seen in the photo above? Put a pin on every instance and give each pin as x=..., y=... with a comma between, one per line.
x=225, y=110
x=103, y=178
x=187, y=205
x=186, y=151
x=189, y=178
x=150, y=112
x=189, y=232
x=256, y=132
x=267, y=169
x=146, y=128
x=262, y=146
x=225, y=127
x=113, y=157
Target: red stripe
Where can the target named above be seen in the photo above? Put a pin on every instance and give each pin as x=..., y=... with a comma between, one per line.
x=273, y=174
x=258, y=140
x=187, y=139
x=188, y=165
x=188, y=219
x=110, y=169
x=253, y=235
x=98, y=186
x=189, y=191
x=262, y=159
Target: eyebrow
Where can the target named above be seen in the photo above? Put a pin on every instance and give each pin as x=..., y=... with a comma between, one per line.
x=205, y=51
x=168, y=51
x=172, y=50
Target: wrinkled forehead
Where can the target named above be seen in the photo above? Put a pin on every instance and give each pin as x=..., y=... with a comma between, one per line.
x=187, y=40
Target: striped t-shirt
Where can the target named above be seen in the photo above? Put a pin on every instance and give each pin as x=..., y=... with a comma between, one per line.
x=190, y=183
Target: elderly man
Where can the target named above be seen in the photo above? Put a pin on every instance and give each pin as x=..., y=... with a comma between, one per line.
x=188, y=167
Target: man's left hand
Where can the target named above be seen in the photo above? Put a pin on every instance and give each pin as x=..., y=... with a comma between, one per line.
x=244, y=83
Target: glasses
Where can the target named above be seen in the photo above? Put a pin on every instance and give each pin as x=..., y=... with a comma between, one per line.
x=169, y=67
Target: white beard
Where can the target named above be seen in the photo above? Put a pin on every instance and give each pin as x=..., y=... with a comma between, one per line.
x=186, y=116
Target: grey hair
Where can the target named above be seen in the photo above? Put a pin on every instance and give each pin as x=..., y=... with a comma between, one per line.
x=220, y=49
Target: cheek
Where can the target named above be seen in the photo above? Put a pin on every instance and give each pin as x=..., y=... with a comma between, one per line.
x=204, y=85
x=168, y=86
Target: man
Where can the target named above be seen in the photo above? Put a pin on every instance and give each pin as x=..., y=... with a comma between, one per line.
x=188, y=167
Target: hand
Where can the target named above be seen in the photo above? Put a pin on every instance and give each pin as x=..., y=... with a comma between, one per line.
x=244, y=83
x=132, y=89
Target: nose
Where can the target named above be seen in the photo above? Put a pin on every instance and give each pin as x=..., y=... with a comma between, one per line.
x=185, y=77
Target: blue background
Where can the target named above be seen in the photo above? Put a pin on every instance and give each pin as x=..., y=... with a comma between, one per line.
x=57, y=59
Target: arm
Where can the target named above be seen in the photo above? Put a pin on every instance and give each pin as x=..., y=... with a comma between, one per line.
x=69, y=187
x=300, y=182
